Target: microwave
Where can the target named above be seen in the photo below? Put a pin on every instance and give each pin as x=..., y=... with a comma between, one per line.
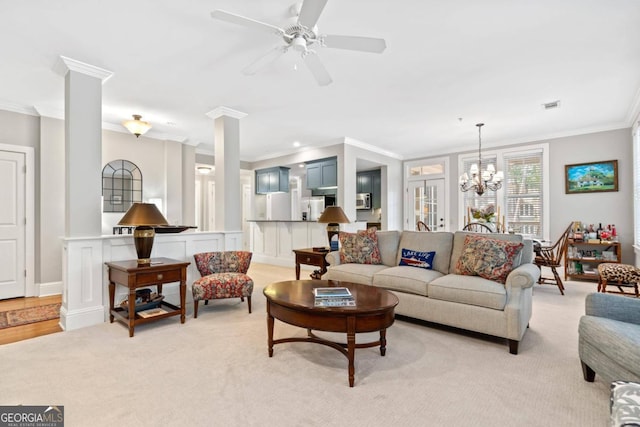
x=363, y=201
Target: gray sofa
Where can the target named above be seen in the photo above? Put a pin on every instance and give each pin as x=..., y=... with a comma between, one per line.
x=440, y=296
x=609, y=338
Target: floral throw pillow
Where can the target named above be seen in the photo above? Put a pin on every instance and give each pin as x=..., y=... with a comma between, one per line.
x=418, y=259
x=359, y=248
x=488, y=258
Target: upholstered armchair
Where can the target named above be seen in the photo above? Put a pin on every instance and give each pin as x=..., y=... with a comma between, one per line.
x=609, y=337
x=224, y=275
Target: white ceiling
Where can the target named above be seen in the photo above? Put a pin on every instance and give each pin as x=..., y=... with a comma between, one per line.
x=491, y=61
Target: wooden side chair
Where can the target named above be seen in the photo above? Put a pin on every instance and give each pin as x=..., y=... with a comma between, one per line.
x=224, y=275
x=477, y=227
x=421, y=226
x=551, y=256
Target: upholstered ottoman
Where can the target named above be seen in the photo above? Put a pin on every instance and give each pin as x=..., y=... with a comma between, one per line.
x=223, y=276
x=619, y=275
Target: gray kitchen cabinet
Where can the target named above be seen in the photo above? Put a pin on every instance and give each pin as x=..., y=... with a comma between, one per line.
x=322, y=173
x=272, y=180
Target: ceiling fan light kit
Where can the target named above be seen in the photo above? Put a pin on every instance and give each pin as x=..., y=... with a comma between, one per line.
x=301, y=36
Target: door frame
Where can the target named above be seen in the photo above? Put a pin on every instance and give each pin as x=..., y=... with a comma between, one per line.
x=29, y=198
x=408, y=209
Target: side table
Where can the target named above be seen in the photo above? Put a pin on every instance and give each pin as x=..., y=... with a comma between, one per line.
x=308, y=256
x=134, y=276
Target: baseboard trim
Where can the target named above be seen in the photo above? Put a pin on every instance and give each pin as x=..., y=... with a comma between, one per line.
x=81, y=318
x=50, y=288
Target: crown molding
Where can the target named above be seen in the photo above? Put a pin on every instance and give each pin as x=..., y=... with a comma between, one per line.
x=225, y=111
x=18, y=108
x=355, y=143
x=63, y=65
x=54, y=113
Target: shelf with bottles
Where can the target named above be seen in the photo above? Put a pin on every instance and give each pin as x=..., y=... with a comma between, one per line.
x=587, y=247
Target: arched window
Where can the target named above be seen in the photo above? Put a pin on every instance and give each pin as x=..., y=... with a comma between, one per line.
x=121, y=186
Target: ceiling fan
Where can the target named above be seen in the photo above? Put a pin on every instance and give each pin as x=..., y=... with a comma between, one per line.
x=302, y=36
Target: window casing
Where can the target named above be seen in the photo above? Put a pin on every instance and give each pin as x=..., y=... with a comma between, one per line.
x=523, y=198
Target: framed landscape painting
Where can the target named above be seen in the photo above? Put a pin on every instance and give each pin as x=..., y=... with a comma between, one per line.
x=591, y=177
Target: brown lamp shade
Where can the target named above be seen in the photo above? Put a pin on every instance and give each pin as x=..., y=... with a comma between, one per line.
x=144, y=216
x=333, y=216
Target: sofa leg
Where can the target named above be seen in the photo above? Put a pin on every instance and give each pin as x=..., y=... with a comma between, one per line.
x=249, y=303
x=195, y=308
x=588, y=373
x=513, y=346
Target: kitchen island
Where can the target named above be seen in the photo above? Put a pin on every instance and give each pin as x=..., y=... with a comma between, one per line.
x=273, y=241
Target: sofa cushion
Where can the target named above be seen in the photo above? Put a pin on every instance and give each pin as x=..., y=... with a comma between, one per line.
x=418, y=259
x=355, y=273
x=388, y=246
x=360, y=247
x=473, y=290
x=405, y=279
x=488, y=258
x=458, y=244
x=438, y=242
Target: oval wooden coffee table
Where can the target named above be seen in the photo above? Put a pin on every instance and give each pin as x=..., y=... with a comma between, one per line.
x=292, y=302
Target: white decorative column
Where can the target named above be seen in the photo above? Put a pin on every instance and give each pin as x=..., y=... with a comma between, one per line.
x=82, y=303
x=228, y=197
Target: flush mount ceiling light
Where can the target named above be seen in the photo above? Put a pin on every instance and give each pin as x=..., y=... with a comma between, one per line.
x=480, y=180
x=204, y=170
x=137, y=126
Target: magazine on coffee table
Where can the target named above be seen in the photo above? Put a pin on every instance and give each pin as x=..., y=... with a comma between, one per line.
x=335, y=302
x=331, y=292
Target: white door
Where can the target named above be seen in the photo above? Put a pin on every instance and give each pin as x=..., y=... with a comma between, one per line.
x=427, y=204
x=12, y=225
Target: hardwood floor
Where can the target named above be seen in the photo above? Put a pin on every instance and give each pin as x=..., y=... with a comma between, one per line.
x=19, y=333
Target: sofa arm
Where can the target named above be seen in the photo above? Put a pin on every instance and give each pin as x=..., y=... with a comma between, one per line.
x=615, y=307
x=523, y=276
x=333, y=258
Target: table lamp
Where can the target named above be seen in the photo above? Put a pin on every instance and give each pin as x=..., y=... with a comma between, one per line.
x=333, y=216
x=143, y=216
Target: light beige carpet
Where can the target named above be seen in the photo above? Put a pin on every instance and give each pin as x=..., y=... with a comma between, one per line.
x=215, y=371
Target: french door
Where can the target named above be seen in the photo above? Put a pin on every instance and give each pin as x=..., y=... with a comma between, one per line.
x=427, y=204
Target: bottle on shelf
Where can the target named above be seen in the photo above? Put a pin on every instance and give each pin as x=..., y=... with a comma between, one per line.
x=614, y=233
x=599, y=231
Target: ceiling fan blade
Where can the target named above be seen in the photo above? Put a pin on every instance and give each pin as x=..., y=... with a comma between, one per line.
x=310, y=12
x=363, y=44
x=264, y=60
x=317, y=69
x=246, y=22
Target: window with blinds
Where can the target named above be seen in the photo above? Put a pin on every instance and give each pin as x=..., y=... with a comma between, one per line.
x=471, y=199
x=524, y=193
x=521, y=199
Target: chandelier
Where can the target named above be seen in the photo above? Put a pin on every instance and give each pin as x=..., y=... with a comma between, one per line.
x=481, y=180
